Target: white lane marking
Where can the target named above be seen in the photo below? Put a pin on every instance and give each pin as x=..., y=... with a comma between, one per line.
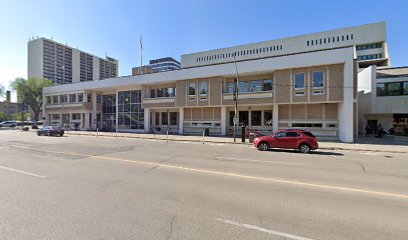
x=21, y=171
x=370, y=153
x=253, y=227
x=264, y=161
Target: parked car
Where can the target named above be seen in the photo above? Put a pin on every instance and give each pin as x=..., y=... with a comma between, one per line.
x=50, y=131
x=8, y=124
x=299, y=139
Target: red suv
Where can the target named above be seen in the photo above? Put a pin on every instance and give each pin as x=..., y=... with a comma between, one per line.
x=303, y=140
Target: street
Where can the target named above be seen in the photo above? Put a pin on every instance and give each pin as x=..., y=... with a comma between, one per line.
x=85, y=187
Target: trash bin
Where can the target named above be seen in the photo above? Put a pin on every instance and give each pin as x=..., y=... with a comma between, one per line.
x=243, y=133
x=251, y=137
x=207, y=132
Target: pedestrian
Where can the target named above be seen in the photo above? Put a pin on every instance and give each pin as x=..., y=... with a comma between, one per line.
x=367, y=130
x=380, y=131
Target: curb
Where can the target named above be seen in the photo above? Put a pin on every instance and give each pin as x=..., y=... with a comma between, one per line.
x=225, y=142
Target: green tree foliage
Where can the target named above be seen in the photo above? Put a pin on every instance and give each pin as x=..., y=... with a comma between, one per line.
x=29, y=92
x=1, y=90
x=3, y=116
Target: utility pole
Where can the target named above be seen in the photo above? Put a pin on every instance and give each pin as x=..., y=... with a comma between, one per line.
x=141, y=56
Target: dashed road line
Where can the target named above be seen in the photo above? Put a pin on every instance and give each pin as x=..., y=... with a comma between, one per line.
x=21, y=171
x=263, y=161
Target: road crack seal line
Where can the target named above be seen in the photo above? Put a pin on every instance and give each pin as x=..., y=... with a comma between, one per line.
x=236, y=175
x=171, y=226
x=154, y=167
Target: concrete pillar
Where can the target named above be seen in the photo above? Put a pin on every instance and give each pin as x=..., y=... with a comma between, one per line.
x=146, y=120
x=94, y=106
x=275, y=117
x=181, y=121
x=117, y=110
x=223, y=120
x=87, y=121
x=345, y=108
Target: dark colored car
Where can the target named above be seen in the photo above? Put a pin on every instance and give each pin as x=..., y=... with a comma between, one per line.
x=299, y=139
x=50, y=131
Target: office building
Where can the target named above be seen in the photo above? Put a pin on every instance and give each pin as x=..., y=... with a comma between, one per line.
x=383, y=99
x=281, y=85
x=158, y=65
x=63, y=64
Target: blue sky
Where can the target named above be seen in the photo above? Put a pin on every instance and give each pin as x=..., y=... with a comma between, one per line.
x=172, y=28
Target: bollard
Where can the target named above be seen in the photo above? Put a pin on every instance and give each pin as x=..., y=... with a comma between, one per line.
x=116, y=134
x=167, y=135
x=97, y=132
x=203, y=136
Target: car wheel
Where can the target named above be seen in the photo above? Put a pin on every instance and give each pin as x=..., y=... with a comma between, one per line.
x=263, y=146
x=38, y=134
x=61, y=134
x=304, y=148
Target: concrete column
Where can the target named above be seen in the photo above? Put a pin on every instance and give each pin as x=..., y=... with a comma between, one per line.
x=94, y=106
x=117, y=110
x=181, y=121
x=345, y=108
x=223, y=120
x=146, y=120
x=87, y=121
x=275, y=117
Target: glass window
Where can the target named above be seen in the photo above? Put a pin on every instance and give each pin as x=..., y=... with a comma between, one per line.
x=171, y=92
x=292, y=134
x=157, y=118
x=243, y=86
x=135, y=96
x=393, y=89
x=160, y=92
x=256, y=117
x=318, y=79
x=49, y=100
x=231, y=118
x=380, y=89
x=192, y=89
x=89, y=97
x=203, y=88
x=267, y=85
x=72, y=98
x=54, y=99
x=255, y=86
x=152, y=93
x=173, y=118
x=63, y=98
x=280, y=134
x=268, y=118
x=80, y=97
x=76, y=116
x=230, y=87
x=405, y=88
x=299, y=81
x=164, y=119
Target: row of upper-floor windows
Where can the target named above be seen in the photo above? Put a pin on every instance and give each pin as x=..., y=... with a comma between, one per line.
x=299, y=80
x=163, y=92
x=67, y=98
x=392, y=89
x=369, y=46
x=330, y=40
x=239, y=53
x=370, y=57
x=251, y=86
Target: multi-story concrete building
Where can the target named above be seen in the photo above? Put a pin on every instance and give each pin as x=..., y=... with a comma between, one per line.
x=288, y=83
x=63, y=64
x=158, y=65
x=369, y=41
x=383, y=99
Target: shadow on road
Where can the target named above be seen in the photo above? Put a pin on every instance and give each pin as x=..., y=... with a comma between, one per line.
x=313, y=152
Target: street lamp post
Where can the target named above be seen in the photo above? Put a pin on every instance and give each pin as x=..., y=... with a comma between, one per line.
x=236, y=80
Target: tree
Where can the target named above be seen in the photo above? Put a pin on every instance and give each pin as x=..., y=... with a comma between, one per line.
x=29, y=92
x=1, y=90
x=3, y=116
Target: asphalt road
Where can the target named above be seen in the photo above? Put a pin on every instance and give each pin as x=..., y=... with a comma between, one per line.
x=102, y=188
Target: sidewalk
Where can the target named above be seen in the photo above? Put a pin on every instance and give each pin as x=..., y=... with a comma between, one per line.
x=386, y=144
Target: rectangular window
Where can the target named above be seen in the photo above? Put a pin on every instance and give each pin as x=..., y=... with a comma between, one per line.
x=405, y=88
x=203, y=88
x=231, y=118
x=164, y=119
x=192, y=89
x=243, y=86
x=153, y=93
x=160, y=92
x=318, y=79
x=381, y=89
x=256, y=117
x=171, y=91
x=63, y=99
x=267, y=118
x=255, y=86
x=299, y=81
x=80, y=97
x=230, y=87
x=157, y=118
x=89, y=97
x=267, y=85
x=393, y=89
x=72, y=98
x=173, y=118
x=54, y=99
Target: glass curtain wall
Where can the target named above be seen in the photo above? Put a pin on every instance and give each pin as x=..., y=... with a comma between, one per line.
x=108, y=112
x=130, y=111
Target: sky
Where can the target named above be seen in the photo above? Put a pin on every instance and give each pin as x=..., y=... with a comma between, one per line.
x=172, y=28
